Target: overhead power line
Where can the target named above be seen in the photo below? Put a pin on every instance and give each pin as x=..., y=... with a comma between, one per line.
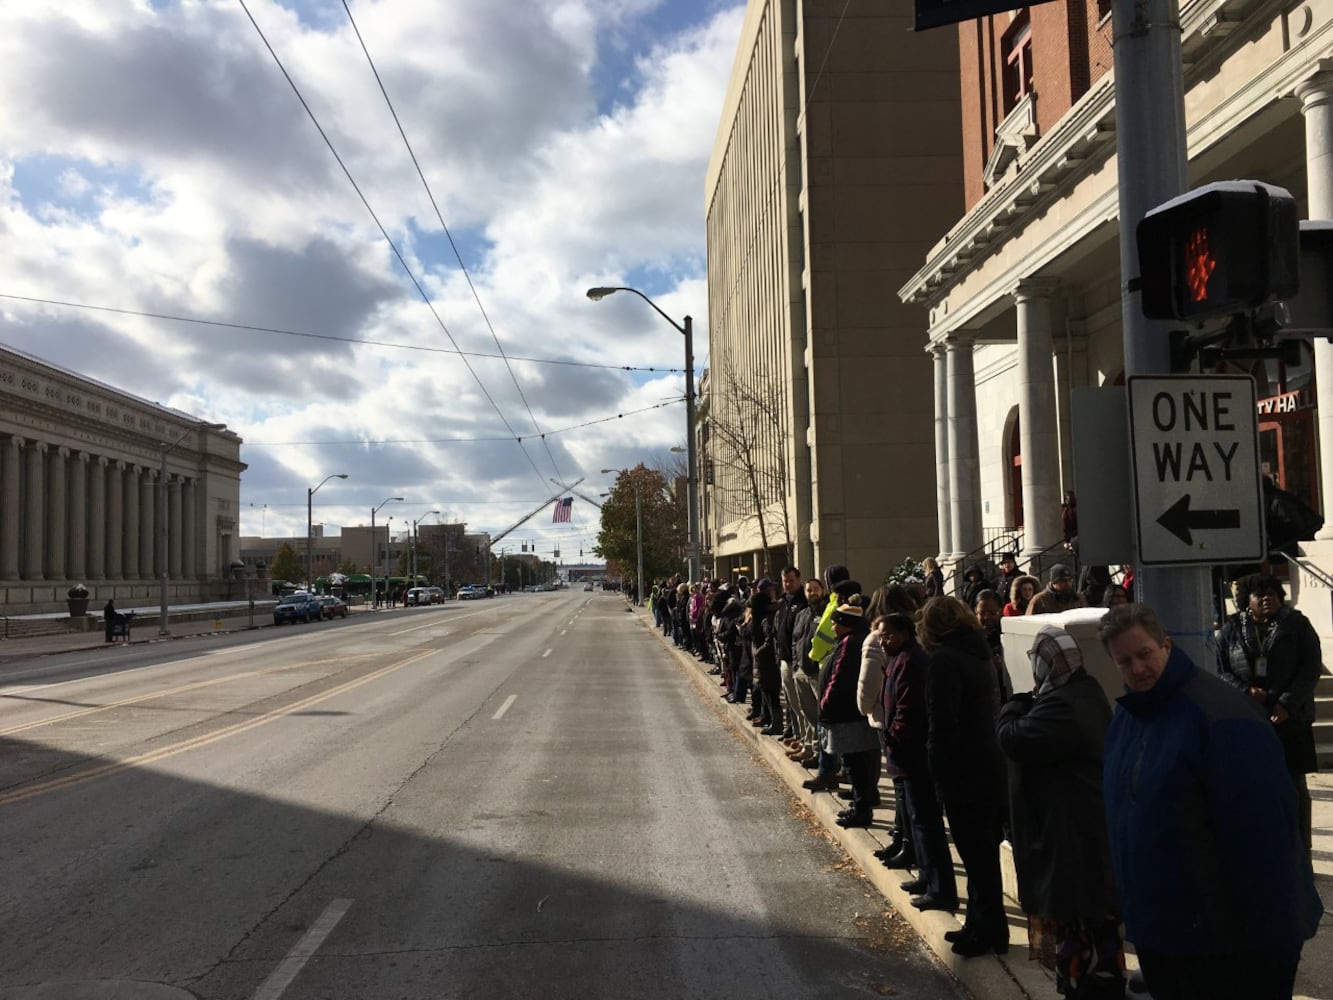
x=385, y=233
x=454, y=246
x=358, y=342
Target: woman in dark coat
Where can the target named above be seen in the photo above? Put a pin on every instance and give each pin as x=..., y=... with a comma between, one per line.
x=934, y=577
x=1054, y=739
x=763, y=650
x=1271, y=651
x=846, y=733
x=962, y=701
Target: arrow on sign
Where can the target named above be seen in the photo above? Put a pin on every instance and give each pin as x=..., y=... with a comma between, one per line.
x=1180, y=520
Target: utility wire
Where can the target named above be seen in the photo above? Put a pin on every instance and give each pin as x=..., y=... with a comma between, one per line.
x=384, y=441
x=326, y=336
x=454, y=246
x=385, y=233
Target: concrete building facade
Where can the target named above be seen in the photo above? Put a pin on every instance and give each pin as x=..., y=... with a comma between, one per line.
x=836, y=163
x=1024, y=289
x=83, y=500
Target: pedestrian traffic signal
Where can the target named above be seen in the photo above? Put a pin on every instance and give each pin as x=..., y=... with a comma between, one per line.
x=1220, y=250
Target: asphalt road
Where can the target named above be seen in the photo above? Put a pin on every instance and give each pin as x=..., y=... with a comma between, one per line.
x=523, y=797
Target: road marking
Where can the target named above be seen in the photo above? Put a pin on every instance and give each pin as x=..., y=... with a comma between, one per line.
x=563, y=631
x=546, y=654
x=153, y=756
x=505, y=707
x=280, y=978
x=415, y=627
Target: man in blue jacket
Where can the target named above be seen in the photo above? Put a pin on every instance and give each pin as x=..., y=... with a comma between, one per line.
x=1215, y=884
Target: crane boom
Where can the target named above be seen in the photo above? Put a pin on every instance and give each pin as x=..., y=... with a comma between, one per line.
x=528, y=517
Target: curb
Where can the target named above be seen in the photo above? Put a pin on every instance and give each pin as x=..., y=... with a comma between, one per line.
x=1010, y=977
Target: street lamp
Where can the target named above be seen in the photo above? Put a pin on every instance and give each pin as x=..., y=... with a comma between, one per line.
x=310, y=529
x=691, y=501
x=414, y=542
x=375, y=555
x=162, y=515
x=638, y=530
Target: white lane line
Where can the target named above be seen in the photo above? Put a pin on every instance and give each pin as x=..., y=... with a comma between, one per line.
x=505, y=707
x=416, y=627
x=546, y=654
x=276, y=984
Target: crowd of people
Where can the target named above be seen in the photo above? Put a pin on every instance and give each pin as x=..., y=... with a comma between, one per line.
x=1182, y=816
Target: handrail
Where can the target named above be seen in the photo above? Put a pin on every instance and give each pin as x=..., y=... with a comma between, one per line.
x=1303, y=563
x=1003, y=540
x=1068, y=556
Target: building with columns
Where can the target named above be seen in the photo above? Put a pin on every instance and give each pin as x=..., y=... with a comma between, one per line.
x=83, y=498
x=1023, y=290
x=836, y=164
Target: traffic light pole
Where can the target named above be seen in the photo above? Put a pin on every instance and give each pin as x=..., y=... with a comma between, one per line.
x=1152, y=166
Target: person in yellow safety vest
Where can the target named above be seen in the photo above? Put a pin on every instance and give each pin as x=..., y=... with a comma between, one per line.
x=824, y=640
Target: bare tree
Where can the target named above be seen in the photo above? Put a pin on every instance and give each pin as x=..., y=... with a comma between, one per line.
x=749, y=436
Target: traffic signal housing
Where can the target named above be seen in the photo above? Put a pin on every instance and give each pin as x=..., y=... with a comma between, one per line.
x=1219, y=250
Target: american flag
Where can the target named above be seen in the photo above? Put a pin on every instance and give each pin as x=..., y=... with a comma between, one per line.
x=561, y=513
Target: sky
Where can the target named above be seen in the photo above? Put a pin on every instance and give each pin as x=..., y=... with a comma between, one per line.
x=154, y=159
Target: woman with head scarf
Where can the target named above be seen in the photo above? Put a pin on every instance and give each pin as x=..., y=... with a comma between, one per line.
x=1053, y=738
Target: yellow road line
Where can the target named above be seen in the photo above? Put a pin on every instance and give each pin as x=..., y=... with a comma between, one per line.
x=179, y=689
x=162, y=753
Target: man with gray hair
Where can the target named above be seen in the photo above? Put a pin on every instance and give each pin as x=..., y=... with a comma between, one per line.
x=1216, y=885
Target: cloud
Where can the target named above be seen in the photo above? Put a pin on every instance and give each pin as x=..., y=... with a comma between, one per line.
x=153, y=158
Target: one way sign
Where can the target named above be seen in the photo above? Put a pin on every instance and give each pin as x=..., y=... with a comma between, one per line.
x=1195, y=448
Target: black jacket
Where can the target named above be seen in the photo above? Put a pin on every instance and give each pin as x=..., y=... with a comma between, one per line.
x=1293, y=662
x=764, y=652
x=962, y=701
x=784, y=623
x=807, y=621
x=837, y=679
x=1055, y=745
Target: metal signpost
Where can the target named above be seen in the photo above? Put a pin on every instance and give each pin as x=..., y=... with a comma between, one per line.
x=1195, y=446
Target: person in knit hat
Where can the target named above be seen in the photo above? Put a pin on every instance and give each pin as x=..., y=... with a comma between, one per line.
x=846, y=732
x=1053, y=738
x=1059, y=594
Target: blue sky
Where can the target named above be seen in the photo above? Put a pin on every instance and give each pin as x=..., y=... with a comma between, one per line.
x=152, y=158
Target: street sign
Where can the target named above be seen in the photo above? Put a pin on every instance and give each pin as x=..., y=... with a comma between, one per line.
x=934, y=13
x=1195, y=451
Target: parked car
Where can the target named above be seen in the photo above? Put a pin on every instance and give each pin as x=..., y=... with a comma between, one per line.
x=298, y=607
x=468, y=592
x=587, y=586
x=434, y=595
x=417, y=596
x=332, y=607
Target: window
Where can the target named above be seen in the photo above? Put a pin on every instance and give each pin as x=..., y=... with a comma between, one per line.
x=1103, y=10
x=1016, y=48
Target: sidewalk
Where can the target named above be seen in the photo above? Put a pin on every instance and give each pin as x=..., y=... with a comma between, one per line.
x=1013, y=976
x=183, y=621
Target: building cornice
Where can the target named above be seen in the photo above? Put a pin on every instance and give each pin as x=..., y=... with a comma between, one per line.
x=1081, y=139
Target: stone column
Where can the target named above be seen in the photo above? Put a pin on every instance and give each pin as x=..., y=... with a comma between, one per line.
x=130, y=550
x=1038, y=429
x=148, y=526
x=964, y=467
x=57, y=534
x=77, y=517
x=943, y=512
x=34, y=529
x=189, y=531
x=97, y=519
x=10, y=509
x=174, y=528
x=115, y=520
x=1316, y=95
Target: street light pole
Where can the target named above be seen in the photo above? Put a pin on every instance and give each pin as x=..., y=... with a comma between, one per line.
x=692, y=459
x=164, y=561
x=375, y=554
x=310, y=530
x=414, y=542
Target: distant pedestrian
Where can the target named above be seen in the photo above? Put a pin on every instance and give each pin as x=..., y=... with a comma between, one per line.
x=1059, y=594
